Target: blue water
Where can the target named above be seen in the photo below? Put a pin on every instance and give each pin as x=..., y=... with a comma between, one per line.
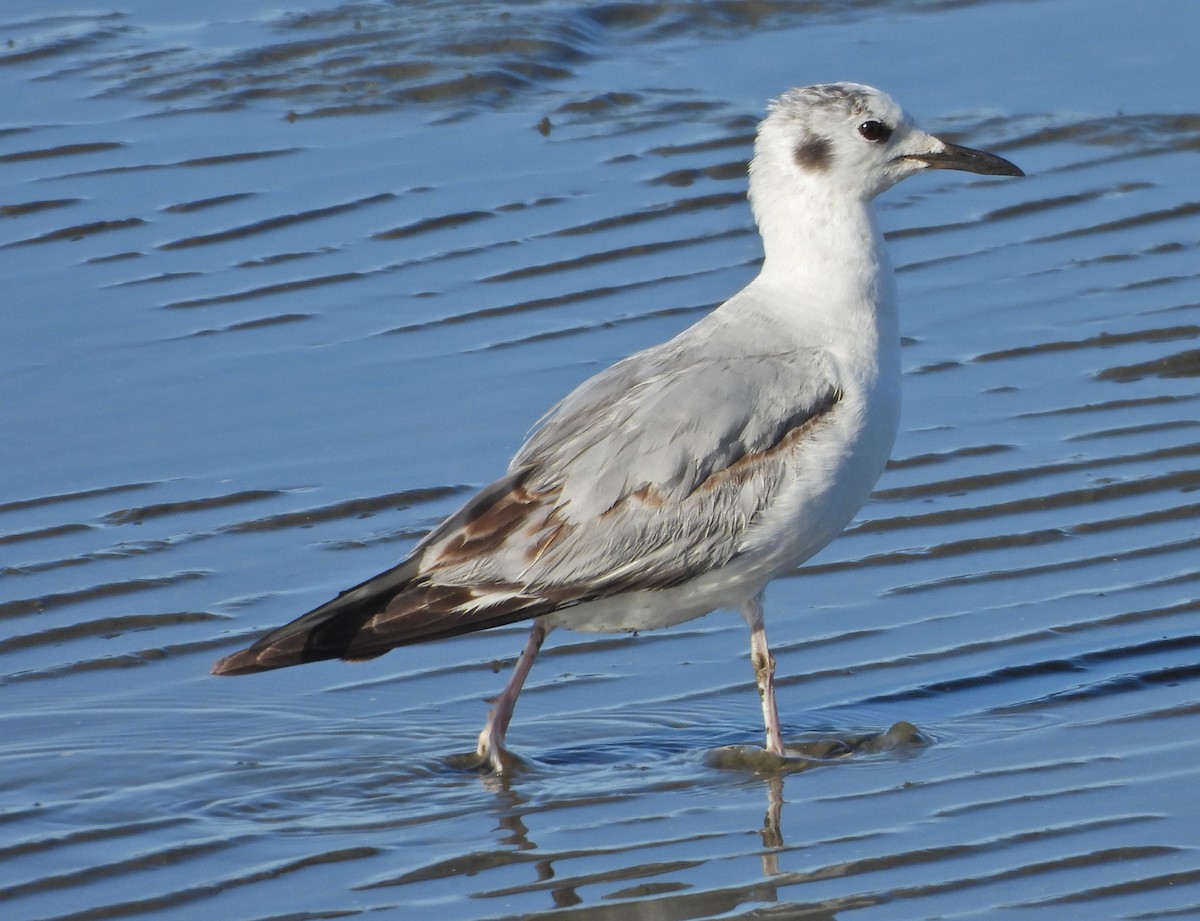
x=282, y=288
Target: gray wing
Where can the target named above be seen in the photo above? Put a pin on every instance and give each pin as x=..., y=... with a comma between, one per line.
x=646, y=476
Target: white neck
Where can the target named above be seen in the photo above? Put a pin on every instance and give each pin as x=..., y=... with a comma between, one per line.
x=826, y=266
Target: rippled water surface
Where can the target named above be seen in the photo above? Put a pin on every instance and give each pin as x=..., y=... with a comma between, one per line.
x=282, y=288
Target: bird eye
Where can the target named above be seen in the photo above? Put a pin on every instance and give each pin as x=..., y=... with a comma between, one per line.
x=875, y=131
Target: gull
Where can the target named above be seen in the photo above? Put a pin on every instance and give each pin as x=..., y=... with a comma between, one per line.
x=684, y=478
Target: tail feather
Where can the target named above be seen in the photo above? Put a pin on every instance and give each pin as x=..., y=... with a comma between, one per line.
x=395, y=608
x=324, y=632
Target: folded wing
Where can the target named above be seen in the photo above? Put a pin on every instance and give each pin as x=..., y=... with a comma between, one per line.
x=646, y=476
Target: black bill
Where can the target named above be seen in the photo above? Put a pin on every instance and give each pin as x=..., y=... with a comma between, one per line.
x=965, y=158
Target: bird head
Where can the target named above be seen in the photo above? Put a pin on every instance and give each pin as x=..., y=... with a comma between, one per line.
x=851, y=139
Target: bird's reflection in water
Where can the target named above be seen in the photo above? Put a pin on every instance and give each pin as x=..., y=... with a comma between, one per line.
x=649, y=898
x=815, y=750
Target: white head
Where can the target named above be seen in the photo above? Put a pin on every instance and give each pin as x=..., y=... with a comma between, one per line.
x=851, y=140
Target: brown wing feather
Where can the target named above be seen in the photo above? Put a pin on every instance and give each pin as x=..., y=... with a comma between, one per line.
x=407, y=604
x=519, y=549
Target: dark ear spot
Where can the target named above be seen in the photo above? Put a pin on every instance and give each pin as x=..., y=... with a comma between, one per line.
x=813, y=154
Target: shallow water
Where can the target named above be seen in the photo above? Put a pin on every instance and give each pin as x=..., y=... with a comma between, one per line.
x=281, y=289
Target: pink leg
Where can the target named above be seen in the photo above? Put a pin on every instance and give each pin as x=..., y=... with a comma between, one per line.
x=764, y=671
x=491, y=741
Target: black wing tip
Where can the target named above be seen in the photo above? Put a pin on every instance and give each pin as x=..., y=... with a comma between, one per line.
x=270, y=654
